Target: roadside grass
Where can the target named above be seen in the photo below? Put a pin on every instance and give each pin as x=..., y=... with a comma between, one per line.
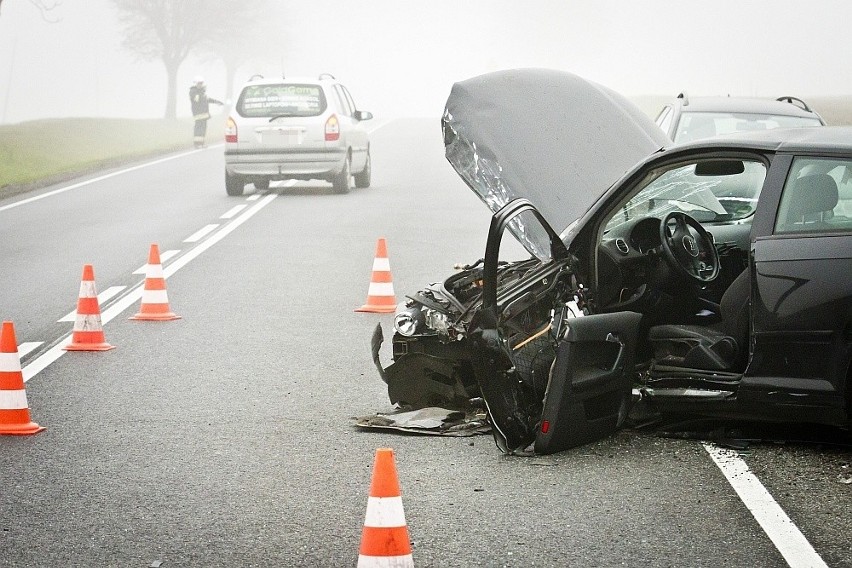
x=41, y=152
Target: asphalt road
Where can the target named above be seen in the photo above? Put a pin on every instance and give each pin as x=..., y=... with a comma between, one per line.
x=225, y=438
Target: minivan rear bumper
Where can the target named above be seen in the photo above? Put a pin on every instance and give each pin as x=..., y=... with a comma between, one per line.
x=319, y=164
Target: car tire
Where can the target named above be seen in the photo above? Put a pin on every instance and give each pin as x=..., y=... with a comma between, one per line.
x=261, y=184
x=234, y=185
x=342, y=181
x=362, y=179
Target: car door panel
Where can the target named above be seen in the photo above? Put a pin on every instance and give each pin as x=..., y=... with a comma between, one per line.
x=802, y=306
x=589, y=388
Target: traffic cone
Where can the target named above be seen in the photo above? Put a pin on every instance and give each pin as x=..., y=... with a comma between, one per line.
x=88, y=331
x=380, y=296
x=155, y=301
x=14, y=410
x=384, y=542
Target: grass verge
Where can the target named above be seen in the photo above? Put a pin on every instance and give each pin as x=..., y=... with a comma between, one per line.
x=40, y=152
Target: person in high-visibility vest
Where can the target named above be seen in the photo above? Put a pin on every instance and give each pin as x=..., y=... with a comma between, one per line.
x=200, y=109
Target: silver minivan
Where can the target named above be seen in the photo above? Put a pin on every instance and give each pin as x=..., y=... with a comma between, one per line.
x=296, y=128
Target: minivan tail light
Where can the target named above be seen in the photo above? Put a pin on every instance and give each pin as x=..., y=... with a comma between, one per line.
x=230, y=130
x=332, y=129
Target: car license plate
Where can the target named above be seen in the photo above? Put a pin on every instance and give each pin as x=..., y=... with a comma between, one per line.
x=282, y=136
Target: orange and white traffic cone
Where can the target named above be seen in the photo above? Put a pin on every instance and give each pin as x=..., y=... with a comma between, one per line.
x=14, y=410
x=384, y=542
x=380, y=296
x=155, y=300
x=88, y=331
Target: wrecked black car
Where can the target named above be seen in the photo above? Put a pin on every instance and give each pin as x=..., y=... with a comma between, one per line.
x=709, y=279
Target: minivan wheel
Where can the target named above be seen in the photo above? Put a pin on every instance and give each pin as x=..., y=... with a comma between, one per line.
x=342, y=180
x=261, y=184
x=234, y=185
x=362, y=179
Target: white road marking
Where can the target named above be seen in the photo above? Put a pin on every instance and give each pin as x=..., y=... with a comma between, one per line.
x=27, y=346
x=233, y=211
x=164, y=256
x=57, y=351
x=200, y=234
x=93, y=180
x=42, y=361
x=253, y=197
x=110, y=292
x=786, y=536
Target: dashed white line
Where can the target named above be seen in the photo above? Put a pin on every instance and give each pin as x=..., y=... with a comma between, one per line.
x=201, y=233
x=164, y=256
x=27, y=346
x=110, y=292
x=785, y=535
x=233, y=211
x=57, y=351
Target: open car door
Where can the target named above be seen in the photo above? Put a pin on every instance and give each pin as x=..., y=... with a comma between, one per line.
x=550, y=377
x=589, y=390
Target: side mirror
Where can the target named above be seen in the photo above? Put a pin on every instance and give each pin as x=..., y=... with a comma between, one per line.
x=363, y=115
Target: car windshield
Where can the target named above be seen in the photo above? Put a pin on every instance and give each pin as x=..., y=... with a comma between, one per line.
x=709, y=191
x=268, y=101
x=698, y=125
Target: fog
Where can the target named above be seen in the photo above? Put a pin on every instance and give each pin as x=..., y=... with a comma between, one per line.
x=400, y=58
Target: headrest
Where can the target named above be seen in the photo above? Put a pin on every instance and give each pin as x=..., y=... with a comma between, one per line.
x=814, y=193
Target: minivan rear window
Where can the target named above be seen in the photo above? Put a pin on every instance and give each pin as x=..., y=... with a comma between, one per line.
x=281, y=100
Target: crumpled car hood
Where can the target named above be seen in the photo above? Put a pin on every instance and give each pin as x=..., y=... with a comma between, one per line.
x=550, y=136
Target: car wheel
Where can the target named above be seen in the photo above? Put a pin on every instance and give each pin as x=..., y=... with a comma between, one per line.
x=261, y=184
x=343, y=179
x=234, y=185
x=362, y=179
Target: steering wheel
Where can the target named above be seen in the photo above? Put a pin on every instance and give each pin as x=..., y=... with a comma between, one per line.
x=688, y=247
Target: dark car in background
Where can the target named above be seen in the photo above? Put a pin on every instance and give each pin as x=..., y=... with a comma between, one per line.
x=630, y=291
x=693, y=118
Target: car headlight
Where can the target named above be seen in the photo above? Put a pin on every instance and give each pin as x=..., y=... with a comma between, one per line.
x=408, y=320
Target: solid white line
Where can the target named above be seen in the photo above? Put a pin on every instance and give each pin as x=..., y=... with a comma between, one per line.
x=253, y=197
x=135, y=294
x=233, y=211
x=93, y=180
x=786, y=536
x=164, y=256
x=200, y=234
x=110, y=292
x=27, y=346
x=46, y=358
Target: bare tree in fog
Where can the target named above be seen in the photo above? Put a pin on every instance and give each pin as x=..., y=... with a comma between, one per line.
x=167, y=30
x=257, y=26
x=170, y=30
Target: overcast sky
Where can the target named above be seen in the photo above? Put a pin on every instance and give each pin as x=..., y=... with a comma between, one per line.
x=401, y=57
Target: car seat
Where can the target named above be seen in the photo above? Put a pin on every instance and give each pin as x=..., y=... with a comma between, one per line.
x=720, y=347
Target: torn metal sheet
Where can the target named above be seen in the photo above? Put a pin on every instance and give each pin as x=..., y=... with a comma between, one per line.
x=432, y=421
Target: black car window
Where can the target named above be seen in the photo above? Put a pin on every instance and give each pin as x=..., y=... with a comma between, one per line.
x=267, y=101
x=817, y=197
x=711, y=191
